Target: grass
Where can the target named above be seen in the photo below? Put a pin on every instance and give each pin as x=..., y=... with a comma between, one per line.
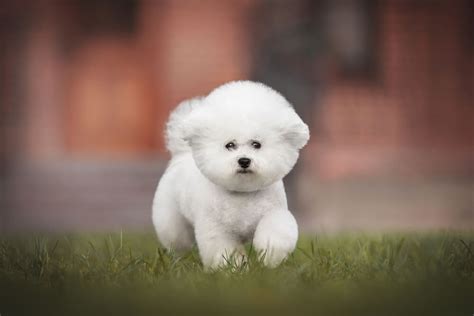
x=129, y=274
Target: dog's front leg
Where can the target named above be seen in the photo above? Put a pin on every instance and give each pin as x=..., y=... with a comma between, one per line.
x=276, y=236
x=217, y=247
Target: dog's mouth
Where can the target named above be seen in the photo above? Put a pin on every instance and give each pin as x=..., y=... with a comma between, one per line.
x=244, y=171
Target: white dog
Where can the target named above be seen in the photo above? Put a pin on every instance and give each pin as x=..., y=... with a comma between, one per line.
x=223, y=185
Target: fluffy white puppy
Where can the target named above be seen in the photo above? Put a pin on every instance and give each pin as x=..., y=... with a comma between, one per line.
x=223, y=185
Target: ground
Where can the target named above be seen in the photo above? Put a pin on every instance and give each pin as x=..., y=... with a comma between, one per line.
x=344, y=274
x=65, y=195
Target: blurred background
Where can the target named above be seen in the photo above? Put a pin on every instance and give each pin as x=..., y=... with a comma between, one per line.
x=386, y=87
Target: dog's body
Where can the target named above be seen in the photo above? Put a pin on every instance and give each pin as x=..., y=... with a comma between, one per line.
x=223, y=185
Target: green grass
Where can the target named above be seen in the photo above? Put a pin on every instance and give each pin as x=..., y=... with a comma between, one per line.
x=129, y=274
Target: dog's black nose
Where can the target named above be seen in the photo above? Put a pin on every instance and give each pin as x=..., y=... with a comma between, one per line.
x=244, y=162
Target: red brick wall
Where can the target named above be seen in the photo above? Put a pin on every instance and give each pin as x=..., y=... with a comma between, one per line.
x=193, y=46
x=420, y=99
x=109, y=100
x=423, y=92
x=112, y=94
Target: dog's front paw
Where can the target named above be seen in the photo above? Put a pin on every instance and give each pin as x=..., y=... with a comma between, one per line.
x=274, y=249
x=276, y=237
x=231, y=257
x=234, y=261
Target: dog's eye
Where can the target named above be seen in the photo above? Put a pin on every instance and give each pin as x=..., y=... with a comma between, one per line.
x=230, y=146
x=256, y=145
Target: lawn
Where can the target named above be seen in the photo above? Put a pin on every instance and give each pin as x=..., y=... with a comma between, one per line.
x=345, y=274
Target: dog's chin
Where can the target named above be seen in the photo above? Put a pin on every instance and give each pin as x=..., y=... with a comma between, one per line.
x=241, y=180
x=244, y=171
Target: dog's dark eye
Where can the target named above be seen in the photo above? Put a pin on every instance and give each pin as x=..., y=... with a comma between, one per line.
x=256, y=145
x=230, y=146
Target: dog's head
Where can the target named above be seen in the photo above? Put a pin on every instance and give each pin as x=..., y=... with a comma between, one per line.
x=245, y=136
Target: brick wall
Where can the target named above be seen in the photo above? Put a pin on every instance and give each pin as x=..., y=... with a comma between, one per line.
x=420, y=98
x=89, y=92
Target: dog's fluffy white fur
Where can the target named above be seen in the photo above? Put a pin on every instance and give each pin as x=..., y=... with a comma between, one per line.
x=207, y=196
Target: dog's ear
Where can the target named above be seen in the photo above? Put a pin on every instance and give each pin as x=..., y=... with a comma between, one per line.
x=193, y=136
x=296, y=133
x=194, y=127
x=190, y=132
